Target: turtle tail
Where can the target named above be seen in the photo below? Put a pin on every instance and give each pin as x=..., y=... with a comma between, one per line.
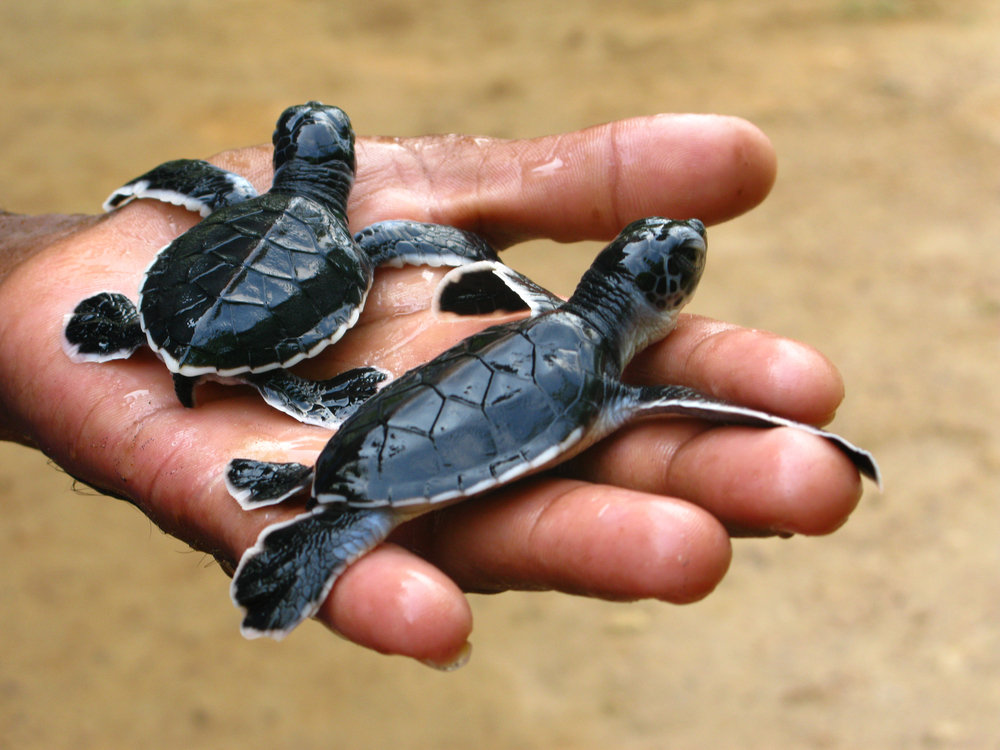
x=285, y=577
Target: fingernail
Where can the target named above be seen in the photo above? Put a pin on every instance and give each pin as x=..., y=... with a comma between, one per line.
x=460, y=660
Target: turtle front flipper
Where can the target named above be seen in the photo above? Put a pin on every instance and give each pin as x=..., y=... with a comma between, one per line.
x=192, y=183
x=102, y=328
x=399, y=242
x=325, y=403
x=487, y=287
x=257, y=484
x=683, y=401
x=285, y=577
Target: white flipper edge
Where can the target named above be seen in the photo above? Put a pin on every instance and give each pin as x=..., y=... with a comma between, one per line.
x=140, y=190
x=684, y=401
x=493, y=281
x=288, y=574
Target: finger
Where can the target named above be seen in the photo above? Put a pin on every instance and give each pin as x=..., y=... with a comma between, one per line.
x=752, y=368
x=582, y=185
x=394, y=602
x=580, y=538
x=773, y=481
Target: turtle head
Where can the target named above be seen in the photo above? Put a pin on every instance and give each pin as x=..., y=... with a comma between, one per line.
x=315, y=134
x=638, y=284
x=662, y=259
x=314, y=155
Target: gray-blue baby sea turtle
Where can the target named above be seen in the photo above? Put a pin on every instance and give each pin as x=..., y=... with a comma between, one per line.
x=510, y=401
x=264, y=281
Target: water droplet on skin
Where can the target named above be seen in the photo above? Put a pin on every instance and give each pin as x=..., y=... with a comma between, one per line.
x=302, y=450
x=134, y=396
x=548, y=168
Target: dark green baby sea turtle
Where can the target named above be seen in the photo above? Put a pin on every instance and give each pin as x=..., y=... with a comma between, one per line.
x=510, y=401
x=264, y=281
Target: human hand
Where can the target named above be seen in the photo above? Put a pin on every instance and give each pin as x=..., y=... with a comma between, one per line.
x=643, y=514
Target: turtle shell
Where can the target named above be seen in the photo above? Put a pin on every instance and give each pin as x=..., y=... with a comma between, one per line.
x=498, y=405
x=255, y=286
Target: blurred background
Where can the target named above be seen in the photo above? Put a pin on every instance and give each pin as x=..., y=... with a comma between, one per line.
x=879, y=245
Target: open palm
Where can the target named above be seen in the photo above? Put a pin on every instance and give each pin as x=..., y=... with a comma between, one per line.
x=646, y=513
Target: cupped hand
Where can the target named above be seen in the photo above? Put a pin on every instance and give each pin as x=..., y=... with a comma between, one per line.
x=645, y=513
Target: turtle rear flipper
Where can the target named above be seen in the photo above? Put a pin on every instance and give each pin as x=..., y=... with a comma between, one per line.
x=490, y=286
x=102, y=328
x=399, y=242
x=284, y=578
x=257, y=484
x=683, y=401
x=192, y=183
x=481, y=283
x=325, y=403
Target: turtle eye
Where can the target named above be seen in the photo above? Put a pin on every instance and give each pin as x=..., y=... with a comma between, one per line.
x=686, y=263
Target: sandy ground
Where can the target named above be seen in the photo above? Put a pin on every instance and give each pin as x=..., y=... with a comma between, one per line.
x=879, y=245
